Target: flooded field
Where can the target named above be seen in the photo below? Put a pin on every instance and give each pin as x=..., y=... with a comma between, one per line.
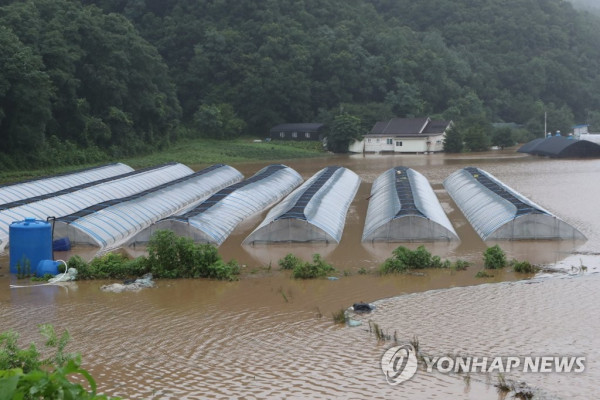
x=270, y=336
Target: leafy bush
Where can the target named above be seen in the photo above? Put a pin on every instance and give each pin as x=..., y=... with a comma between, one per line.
x=483, y=274
x=524, y=267
x=23, y=374
x=110, y=265
x=460, y=265
x=494, y=258
x=404, y=259
x=171, y=256
x=317, y=269
x=290, y=261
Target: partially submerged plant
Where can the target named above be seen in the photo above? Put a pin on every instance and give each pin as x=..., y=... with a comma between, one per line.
x=494, y=258
x=339, y=317
x=483, y=274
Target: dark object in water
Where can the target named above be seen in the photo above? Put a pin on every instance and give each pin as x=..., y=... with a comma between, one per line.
x=128, y=281
x=362, y=307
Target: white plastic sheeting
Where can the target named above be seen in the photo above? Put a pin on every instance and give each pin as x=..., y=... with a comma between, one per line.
x=497, y=211
x=72, y=202
x=213, y=220
x=315, y=212
x=43, y=186
x=404, y=207
x=109, y=225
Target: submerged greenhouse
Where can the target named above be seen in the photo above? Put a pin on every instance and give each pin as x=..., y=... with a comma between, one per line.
x=48, y=185
x=498, y=212
x=315, y=212
x=109, y=224
x=561, y=147
x=71, y=200
x=404, y=207
x=213, y=220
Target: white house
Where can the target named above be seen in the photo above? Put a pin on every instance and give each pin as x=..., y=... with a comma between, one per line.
x=404, y=135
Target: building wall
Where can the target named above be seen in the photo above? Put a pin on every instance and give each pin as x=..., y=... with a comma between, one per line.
x=403, y=145
x=285, y=135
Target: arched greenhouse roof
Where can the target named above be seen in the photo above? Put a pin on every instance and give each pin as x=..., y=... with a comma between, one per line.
x=315, y=212
x=48, y=185
x=496, y=211
x=561, y=147
x=69, y=202
x=404, y=207
x=111, y=223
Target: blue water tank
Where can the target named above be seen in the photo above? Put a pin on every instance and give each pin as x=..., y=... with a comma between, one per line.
x=47, y=267
x=30, y=242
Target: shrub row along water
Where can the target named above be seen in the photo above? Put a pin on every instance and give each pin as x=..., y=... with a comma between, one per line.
x=169, y=256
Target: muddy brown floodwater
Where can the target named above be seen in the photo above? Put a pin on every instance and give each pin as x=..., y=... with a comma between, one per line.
x=268, y=336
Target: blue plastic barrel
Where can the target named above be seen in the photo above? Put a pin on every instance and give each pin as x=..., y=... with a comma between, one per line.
x=47, y=267
x=30, y=242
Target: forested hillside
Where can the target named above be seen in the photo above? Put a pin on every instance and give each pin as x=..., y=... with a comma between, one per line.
x=105, y=78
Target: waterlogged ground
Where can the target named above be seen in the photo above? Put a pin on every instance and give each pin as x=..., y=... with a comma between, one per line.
x=270, y=336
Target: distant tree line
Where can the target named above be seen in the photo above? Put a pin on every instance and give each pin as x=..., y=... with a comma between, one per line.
x=82, y=81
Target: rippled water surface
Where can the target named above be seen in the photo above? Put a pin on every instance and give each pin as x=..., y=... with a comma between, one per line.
x=269, y=336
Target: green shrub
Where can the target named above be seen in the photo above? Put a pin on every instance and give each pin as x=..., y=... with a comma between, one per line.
x=460, y=265
x=24, y=375
x=317, y=269
x=524, y=267
x=483, y=274
x=290, y=261
x=404, y=259
x=171, y=256
x=494, y=258
x=110, y=265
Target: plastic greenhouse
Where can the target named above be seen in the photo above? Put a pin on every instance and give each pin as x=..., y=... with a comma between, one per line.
x=213, y=220
x=70, y=202
x=498, y=212
x=15, y=192
x=315, y=212
x=404, y=207
x=111, y=223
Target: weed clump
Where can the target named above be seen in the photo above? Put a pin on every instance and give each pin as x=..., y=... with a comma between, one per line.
x=524, y=267
x=494, y=258
x=339, y=317
x=319, y=268
x=483, y=274
x=290, y=261
x=404, y=259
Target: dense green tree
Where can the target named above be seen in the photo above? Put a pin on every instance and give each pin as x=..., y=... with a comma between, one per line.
x=218, y=121
x=502, y=137
x=344, y=129
x=453, y=141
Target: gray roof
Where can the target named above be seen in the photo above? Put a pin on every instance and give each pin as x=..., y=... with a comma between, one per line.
x=409, y=127
x=301, y=127
x=559, y=146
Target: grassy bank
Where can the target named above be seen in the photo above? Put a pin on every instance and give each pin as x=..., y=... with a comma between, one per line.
x=197, y=152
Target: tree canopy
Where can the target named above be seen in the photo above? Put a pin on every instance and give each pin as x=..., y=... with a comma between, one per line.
x=124, y=76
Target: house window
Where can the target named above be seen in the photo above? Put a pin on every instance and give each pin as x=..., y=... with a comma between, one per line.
x=398, y=143
x=281, y=134
x=390, y=141
x=294, y=134
x=369, y=140
x=307, y=135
